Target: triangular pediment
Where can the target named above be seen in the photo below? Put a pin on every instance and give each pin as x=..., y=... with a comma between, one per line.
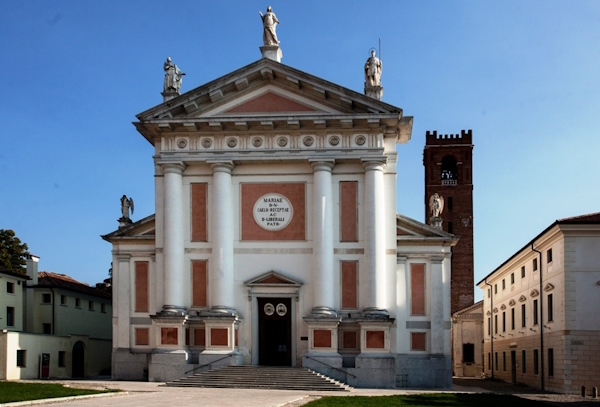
x=267, y=94
x=143, y=229
x=272, y=278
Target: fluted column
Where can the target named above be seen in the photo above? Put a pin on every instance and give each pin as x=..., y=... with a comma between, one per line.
x=221, y=276
x=174, y=283
x=374, y=237
x=323, y=270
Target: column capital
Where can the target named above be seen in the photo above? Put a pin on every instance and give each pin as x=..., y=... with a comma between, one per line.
x=123, y=257
x=176, y=167
x=377, y=164
x=221, y=166
x=322, y=165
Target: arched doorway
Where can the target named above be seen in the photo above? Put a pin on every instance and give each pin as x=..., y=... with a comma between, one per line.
x=78, y=360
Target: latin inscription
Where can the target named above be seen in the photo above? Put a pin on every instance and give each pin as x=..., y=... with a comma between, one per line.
x=273, y=212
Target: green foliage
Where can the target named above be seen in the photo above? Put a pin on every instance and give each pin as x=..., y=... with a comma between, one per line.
x=427, y=400
x=15, y=391
x=13, y=253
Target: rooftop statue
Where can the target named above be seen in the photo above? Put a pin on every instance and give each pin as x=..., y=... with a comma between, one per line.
x=373, y=70
x=126, y=205
x=172, y=76
x=436, y=205
x=270, y=21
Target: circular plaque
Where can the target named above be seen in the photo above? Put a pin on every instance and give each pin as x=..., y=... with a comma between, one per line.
x=281, y=309
x=269, y=309
x=273, y=212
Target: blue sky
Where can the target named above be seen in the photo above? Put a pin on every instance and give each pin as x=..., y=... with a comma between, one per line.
x=524, y=76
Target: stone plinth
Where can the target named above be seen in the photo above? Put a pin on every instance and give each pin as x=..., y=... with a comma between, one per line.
x=272, y=52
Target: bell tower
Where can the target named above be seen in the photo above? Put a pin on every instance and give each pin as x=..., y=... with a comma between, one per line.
x=448, y=172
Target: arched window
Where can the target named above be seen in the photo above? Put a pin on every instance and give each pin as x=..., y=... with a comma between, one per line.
x=449, y=169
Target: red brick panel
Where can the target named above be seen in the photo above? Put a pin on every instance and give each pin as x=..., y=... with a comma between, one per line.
x=375, y=339
x=349, y=211
x=294, y=192
x=142, y=336
x=350, y=339
x=218, y=337
x=349, y=284
x=417, y=289
x=199, y=283
x=141, y=286
x=199, y=218
x=417, y=341
x=199, y=337
x=168, y=336
x=322, y=338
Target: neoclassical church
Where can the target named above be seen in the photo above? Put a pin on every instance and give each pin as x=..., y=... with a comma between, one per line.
x=276, y=240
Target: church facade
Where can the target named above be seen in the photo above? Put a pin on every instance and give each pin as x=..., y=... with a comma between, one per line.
x=276, y=239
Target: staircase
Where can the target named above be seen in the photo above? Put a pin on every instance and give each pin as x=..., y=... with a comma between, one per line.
x=262, y=377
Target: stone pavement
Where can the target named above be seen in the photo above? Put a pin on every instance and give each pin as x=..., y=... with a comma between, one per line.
x=155, y=394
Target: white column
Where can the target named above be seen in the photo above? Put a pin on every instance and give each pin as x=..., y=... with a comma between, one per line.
x=374, y=237
x=221, y=267
x=437, y=306
x=323, y=270
x=174, y=281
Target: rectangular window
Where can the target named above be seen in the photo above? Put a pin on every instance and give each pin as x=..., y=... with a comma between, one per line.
x=535, y=361
x=349, y=281
x=489, y=293
x=504, y=361
x=512, y=318
x=503, y=284
x=524, y=361
x=417, y=289
x=141, y=286
x=489, y=361
x=512, y=278
x=91, y=305
x=46, y=299
x=450, y=228
x=489, y=326
x=495, y=324
x=503, y=321
x=550, y=362
x=468, y=353
x=47, y=329
x=495, y=288
x=523, y=316
x=77, y=302
x=10, y=316
x=21, y=357
x=103, y=308
x=549, y=256
x=10, y=287
x=199, y=283
x=535, y=265
x=63, y=300
x=61, y=358
x=550, y=308
x=349, y=211
x=496, y=360
x=522, y=271
x=535, y=312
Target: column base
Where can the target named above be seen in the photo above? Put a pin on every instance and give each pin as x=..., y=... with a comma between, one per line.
x=172, y=311
x=322, y=312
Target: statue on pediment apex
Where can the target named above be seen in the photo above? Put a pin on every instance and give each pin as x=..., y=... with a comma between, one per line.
x=373, y=68
x=270, y=22
x=173, y=76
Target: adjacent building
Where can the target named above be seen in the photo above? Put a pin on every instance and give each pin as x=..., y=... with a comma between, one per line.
x=276, y=239
x=54, y=326
x=541, y=324
x=467, y=341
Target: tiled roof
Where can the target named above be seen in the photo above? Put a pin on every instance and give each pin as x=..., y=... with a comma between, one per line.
x=54, y=280
x=589, y=218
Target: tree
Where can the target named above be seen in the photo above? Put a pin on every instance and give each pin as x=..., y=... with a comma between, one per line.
x=13, y=253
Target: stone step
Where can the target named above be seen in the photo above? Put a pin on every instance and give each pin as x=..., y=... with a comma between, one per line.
x=261, y=377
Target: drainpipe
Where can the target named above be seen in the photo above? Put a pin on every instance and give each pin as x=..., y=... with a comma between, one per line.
x=491, y=326
x=541, y=315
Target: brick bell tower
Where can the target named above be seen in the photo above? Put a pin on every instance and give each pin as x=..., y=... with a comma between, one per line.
x=448, y=172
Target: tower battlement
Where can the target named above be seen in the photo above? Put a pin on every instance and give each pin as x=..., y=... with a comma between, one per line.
x=433, y=138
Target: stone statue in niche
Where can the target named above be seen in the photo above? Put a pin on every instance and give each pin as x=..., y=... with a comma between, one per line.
x=270, y=22
x=373, y=70
x=173, y=76
x=436, y=205
x=126, y=206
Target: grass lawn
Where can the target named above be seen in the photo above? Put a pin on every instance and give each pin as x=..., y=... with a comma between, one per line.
x=427, y=400
x=16, y=391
